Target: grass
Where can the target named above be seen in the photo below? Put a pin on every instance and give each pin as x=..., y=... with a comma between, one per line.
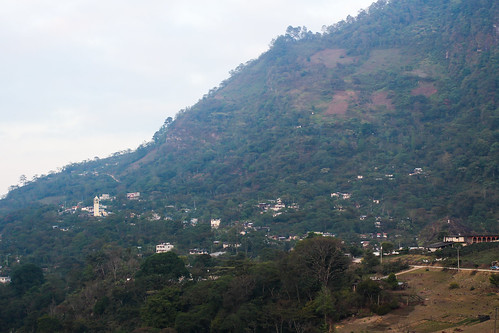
x=432, y=326
x=482, y=258
x=443, y=308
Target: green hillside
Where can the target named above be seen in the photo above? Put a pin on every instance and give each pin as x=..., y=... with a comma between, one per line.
x=405, y=85
x=384, y=127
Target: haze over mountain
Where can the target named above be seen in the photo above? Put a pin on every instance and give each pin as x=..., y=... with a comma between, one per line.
x=384, y=128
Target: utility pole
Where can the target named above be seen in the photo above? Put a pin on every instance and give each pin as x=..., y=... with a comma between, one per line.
x=381, y=253
x=458, y=258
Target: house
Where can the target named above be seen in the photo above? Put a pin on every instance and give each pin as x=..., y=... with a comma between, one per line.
x=105, y=196
x=133, y=196
x=417, y=171
x=198, y=251
x=438, y=246
x=4, y=279
x=164, y=247
x=471, y=239
x=234, y=245
x=215, y=223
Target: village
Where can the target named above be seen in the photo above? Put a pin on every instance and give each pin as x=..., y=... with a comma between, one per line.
x=275, y=207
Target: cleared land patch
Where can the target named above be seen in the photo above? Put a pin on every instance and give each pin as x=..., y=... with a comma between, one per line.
x=443, y=308
x=380, y=98
x=341, y=101
x=424, y=88
x=331, y=57
x=383, y=59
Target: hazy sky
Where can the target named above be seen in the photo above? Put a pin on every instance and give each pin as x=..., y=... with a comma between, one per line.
x=86, y=78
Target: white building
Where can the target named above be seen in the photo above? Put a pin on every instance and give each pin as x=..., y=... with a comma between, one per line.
x=4, y=279
x=164, y=247
x=198, y=251
x=133, y=196
x=105, y=196
x=96, y=207
x=215, y=223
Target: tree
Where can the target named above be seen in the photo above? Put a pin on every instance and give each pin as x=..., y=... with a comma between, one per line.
x=392, y=281
x=26, y=277
x=494, y=280
x=324, y=305
x=48, y=324
x=369, y=290
x=369, y=262
x=160, y=310
x=322, y=258
x=162, y=268
x=387, y=247
x=23, y=180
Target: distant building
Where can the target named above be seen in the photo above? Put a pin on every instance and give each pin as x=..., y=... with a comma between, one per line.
x=438, y=246
x=344, y=196
x=164, y=247
x=4, y=279
x=471, y=239
x=198, y=251
x=96, y=207
x=133, y=195
x=228, y=245
x=105, y=197
x=215, y=223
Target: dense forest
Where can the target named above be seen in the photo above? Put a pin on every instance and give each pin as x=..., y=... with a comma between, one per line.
x=307, y=289
x=383, y=128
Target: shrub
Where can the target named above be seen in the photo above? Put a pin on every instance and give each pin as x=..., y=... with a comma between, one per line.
x=494, y=280
x=453, y=285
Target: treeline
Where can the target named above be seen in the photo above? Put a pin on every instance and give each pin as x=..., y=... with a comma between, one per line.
x=307, y=289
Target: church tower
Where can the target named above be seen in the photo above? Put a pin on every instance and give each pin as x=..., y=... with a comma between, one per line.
x=96, y=207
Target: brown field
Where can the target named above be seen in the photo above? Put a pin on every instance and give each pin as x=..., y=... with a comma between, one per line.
x=380, y=98
x=341, y=100
x=331, y=57
x=443, y=309
x=424, y=88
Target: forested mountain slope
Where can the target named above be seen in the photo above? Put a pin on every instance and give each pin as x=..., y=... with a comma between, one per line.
x=397, y=107
x=383, y=129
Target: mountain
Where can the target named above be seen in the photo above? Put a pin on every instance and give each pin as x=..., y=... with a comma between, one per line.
x=397, y=108
x=383, y=129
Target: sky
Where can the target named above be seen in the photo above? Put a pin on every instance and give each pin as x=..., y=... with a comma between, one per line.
x=86, y=78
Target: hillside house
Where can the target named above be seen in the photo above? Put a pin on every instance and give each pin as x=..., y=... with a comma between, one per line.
x=4, y=279
x=133, y=195
x=164, y=247
x=198, y=251
x=215, y=223
x=438, y=246
x=231, y=245
x=105, y=196
x=471, y=239
x=344, y=196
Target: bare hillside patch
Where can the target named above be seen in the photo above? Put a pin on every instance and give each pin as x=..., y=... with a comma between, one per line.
x=331, y=57
x=341, y=101
x=442, y=308
x=380, y=98
x=424, y=88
